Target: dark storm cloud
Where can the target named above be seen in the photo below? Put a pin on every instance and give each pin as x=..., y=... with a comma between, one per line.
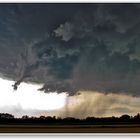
x=72, y=47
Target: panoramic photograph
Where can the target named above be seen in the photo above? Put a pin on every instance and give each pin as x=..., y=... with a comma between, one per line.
x=70, y=67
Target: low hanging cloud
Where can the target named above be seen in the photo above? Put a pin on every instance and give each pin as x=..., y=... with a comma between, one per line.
x=77, y=47
x=27, y=100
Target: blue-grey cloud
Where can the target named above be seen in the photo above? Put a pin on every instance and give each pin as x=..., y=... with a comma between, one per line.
x=72, y=47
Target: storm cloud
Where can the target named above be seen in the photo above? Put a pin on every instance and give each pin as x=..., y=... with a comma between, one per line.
x=72, y=47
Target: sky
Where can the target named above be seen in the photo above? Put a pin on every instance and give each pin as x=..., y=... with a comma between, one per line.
x=27, y=100
x=85, y=54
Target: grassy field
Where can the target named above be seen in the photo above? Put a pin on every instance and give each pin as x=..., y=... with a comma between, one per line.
x=70, y=129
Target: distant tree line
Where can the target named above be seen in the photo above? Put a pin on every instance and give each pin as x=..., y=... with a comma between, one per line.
x=6, y=118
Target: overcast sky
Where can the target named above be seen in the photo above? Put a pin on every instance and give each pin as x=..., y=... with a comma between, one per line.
x=91, y=49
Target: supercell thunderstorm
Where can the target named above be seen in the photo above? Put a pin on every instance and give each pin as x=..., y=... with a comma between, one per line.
x=72, y=47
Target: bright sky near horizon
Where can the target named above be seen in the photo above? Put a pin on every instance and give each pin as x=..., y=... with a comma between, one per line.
x=28, y=98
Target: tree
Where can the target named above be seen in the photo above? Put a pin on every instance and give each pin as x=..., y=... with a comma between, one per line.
x=42, y=117
x=125, y=117
x=137, y=117
x=6, y=116
x=25, y=117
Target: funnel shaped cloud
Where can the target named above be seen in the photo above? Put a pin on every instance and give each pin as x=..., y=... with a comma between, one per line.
x=27, y=100
x=72, y=47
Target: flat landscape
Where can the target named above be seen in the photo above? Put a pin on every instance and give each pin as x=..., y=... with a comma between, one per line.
x=70, y=129
x=48, y=124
